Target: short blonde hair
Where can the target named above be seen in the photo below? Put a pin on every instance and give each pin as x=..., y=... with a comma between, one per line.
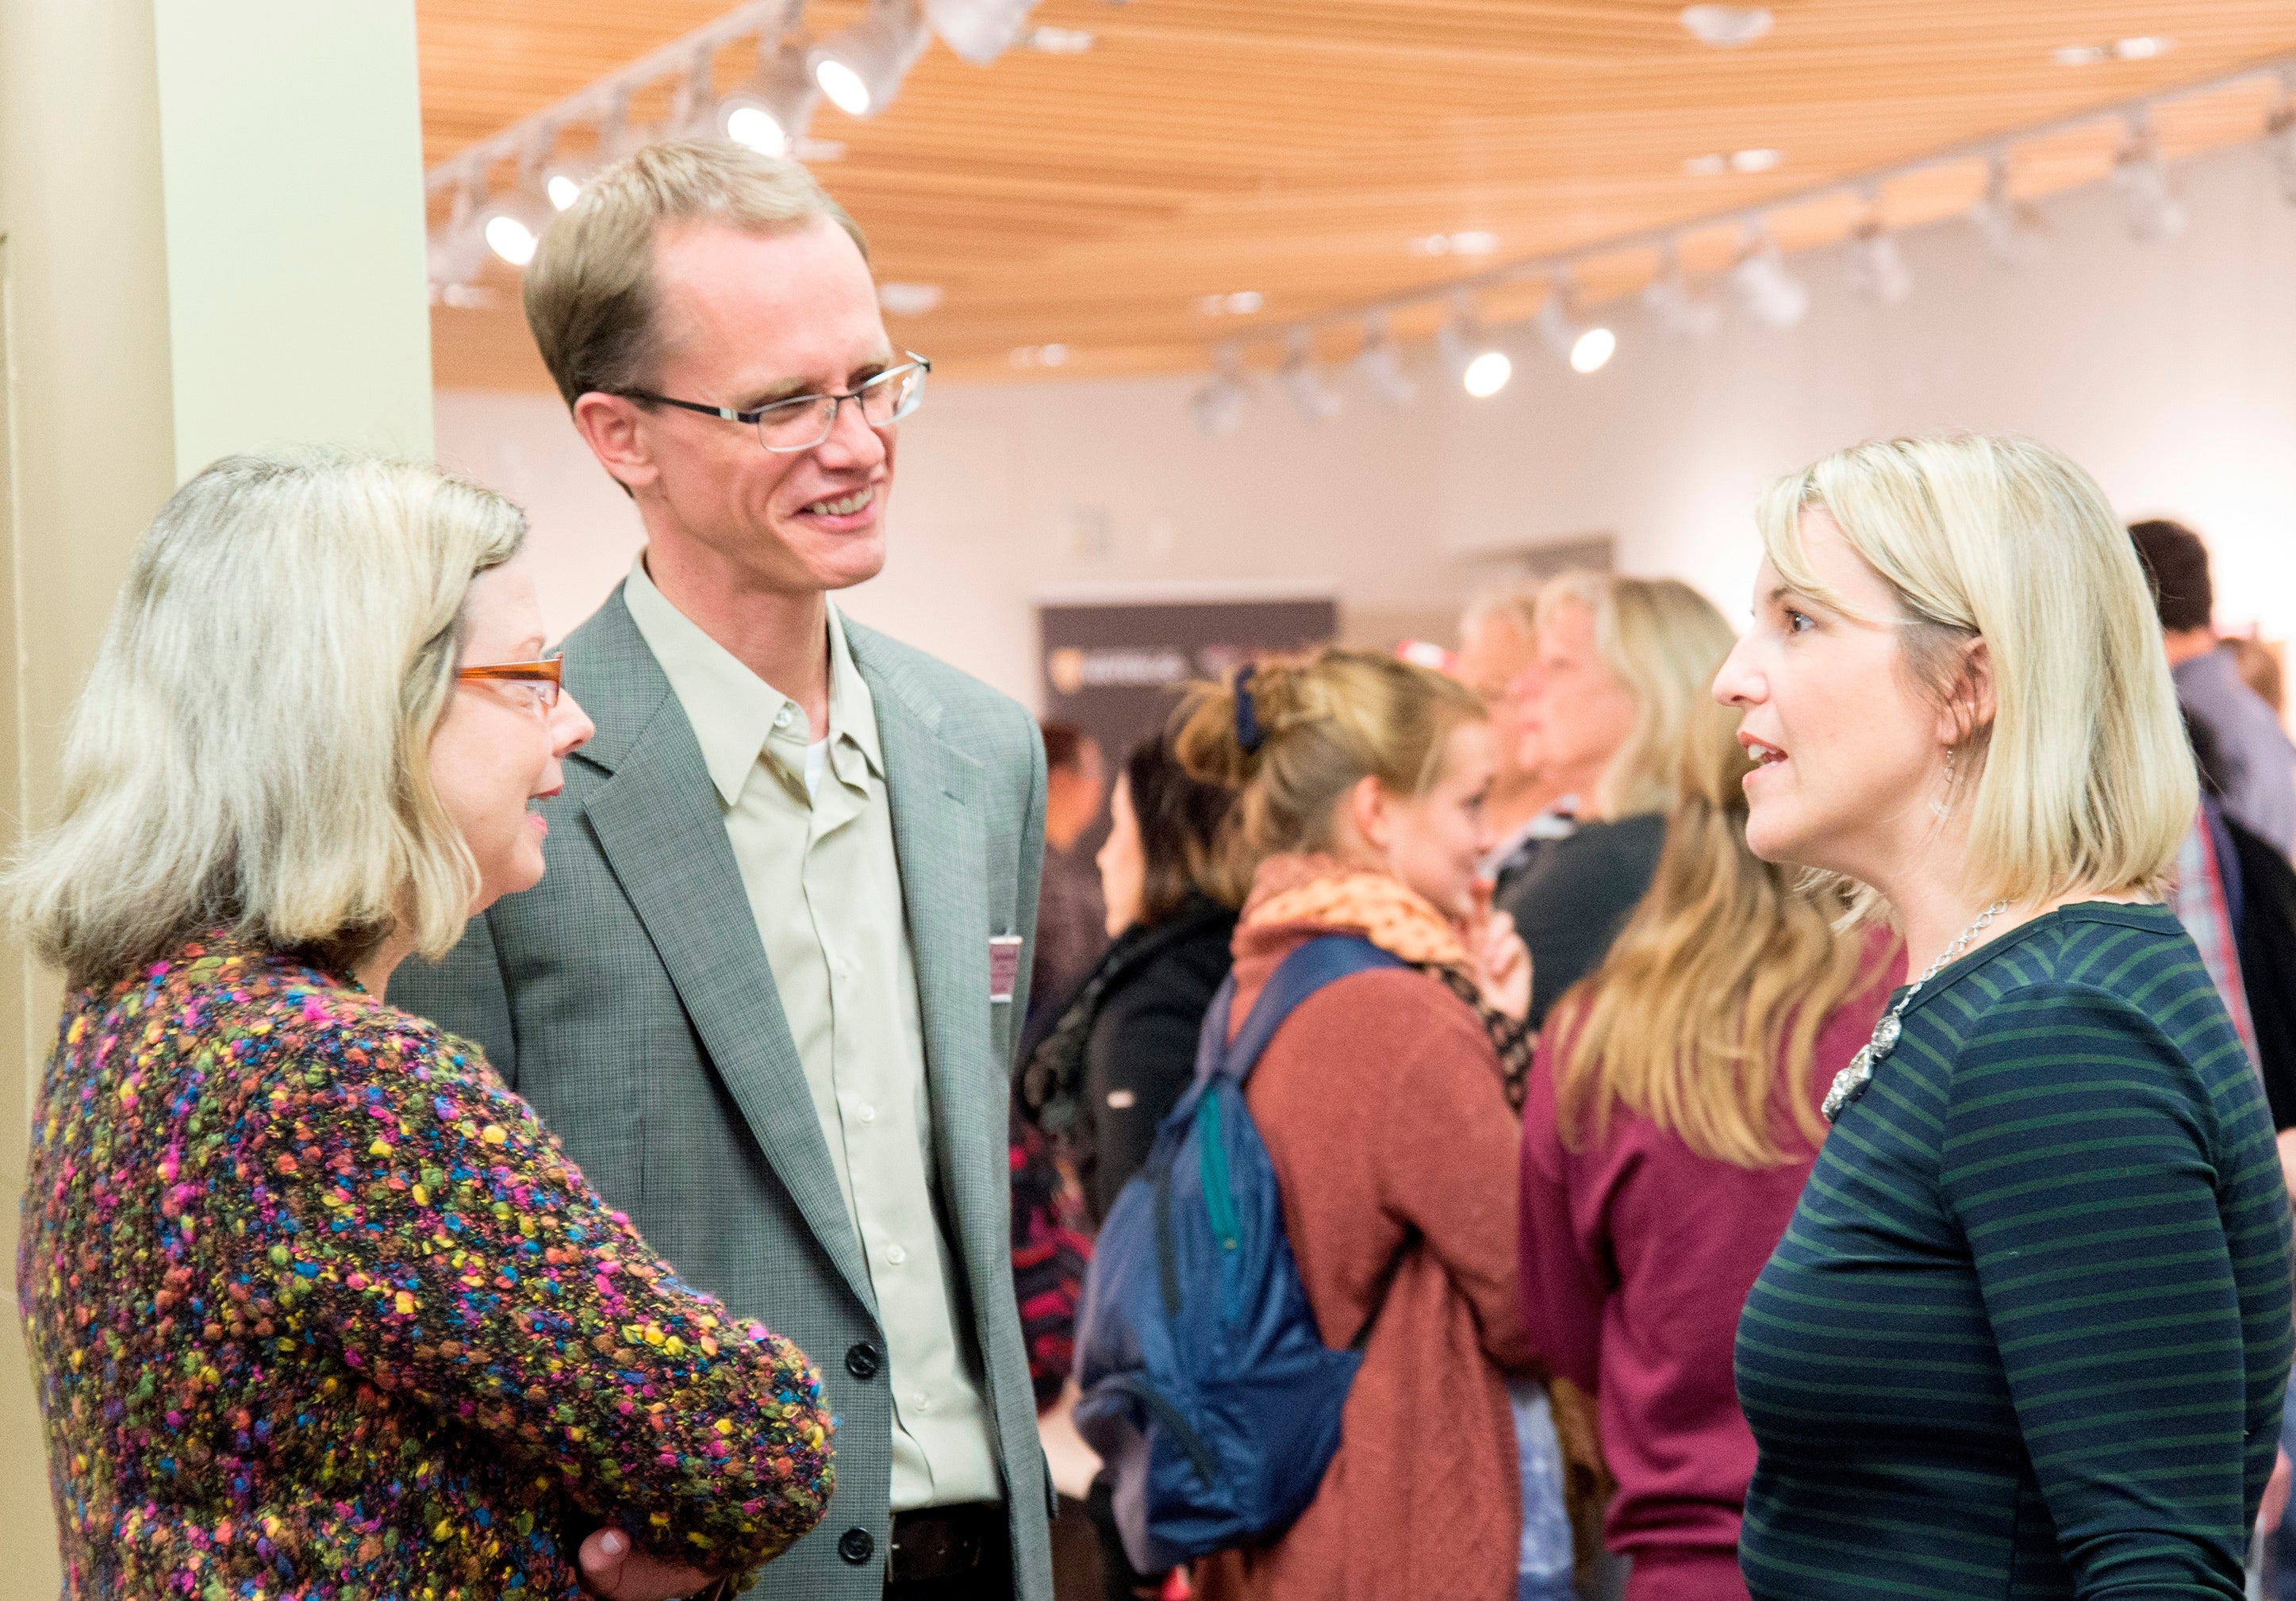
x=1325, y=720
x=1665, y=642
x=252, y=749
x=2084, y=781
x=589, y=290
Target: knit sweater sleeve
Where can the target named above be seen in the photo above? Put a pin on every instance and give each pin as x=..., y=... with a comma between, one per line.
x=413, y=1214
x=2079, y=1159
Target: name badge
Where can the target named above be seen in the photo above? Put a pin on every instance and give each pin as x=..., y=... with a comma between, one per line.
x=1003, y=967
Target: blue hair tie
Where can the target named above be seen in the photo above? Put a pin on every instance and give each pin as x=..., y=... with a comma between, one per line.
x=1247, y=733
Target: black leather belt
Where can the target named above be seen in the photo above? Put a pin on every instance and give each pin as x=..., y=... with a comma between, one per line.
x=948, y=1542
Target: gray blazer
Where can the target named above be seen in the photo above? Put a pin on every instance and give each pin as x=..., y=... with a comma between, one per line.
x=628, y=998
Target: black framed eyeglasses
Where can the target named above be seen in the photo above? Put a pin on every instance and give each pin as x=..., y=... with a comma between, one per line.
x=804, y=421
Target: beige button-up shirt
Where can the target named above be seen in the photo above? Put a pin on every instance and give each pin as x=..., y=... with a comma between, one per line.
x=816, y=861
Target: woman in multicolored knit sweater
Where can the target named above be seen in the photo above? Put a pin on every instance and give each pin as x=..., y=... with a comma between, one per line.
x=316, y=1306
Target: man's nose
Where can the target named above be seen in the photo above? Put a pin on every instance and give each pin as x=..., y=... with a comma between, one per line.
x=851, y=440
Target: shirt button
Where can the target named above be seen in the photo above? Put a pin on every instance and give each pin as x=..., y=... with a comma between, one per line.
x=782, y=721
x=924, y=1401
x=857, y=1546
x=895, y=1255
x=867, y=1114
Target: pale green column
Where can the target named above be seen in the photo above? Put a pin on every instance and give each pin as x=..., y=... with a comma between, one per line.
x=210, y=241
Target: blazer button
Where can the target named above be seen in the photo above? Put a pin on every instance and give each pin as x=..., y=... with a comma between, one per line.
x=857, y=1546
x=863, y=1361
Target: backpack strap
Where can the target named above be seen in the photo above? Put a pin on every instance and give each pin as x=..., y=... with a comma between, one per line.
x=1323, y=960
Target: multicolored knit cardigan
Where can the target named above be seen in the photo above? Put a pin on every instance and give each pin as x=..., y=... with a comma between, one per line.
x=317, y=1307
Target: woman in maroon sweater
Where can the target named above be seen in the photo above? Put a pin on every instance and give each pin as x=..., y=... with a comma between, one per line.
x=1383, y=1106
x=1671, y=1120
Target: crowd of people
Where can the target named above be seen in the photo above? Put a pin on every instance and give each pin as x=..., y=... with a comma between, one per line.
x=633, y=1119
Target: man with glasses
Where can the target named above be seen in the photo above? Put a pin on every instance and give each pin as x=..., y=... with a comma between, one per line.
x=768, y=992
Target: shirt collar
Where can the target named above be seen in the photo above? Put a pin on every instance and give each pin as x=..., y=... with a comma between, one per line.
x=733, y=712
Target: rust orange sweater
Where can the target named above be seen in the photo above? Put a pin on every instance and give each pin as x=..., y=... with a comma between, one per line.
x=1381, y=1104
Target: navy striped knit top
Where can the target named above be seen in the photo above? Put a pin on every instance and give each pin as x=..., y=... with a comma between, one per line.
x=2028, y=1331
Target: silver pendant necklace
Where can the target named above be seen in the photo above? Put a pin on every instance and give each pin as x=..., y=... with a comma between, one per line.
x=1851, y=1081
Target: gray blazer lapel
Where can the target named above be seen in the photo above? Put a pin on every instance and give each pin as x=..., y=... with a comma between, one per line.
x=655, y=817
x=939, y=838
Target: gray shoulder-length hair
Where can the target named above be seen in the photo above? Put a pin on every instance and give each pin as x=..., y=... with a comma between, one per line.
x=251, y=749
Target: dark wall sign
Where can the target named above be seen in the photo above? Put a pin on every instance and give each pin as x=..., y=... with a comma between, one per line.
x=1115, y=669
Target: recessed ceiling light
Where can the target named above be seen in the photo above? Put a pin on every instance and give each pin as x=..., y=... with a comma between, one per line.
x=1473, y=242
x=1059, y=41
x=1726, y=26
x=2143, y=47
x=1243, y=302
x=909, y=299
x=1039, y=355
x=1716, y=162
x=1592, y=348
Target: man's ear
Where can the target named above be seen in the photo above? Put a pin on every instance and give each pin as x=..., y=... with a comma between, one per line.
x=1969, y=708
x=613, y=427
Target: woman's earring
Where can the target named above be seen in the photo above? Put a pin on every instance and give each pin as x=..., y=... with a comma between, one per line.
x=1944, y=808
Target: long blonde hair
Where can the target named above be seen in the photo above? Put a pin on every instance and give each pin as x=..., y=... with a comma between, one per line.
x=252, y=749
x=1324, y=721
x=2084, y=780
x=1710, y=1000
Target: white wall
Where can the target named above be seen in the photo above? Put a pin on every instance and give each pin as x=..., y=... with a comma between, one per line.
x=2168, y=371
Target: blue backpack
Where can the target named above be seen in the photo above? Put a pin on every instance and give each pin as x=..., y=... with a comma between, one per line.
x=1207, y=1390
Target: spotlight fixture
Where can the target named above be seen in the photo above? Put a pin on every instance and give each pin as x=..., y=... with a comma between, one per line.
x=2280, y=134
x=860, y=69
x=1039, y=355
x=1594, y=350
x=456, y=252
x=978, y=30
x=1726, y=27
x=1242, y=302
x=1488, y=374
x=1316, y=400
x=1059, y=41
x=2141, y=173
x=1381, y=363
x=512, y=226
x=1481, y=368
x=1586, y=349
x=770, y=112
x=1679, y=309
x=1217, y=407
x=1877, y=266
x=1772, y=294
x=2011, y=227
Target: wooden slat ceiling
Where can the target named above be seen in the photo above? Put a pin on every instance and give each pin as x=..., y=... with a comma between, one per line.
x=1297, y=148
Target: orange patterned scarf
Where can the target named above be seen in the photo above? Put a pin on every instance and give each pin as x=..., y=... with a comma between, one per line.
x=1324, y=890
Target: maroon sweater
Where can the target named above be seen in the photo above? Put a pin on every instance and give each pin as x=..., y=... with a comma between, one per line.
x=1637, y=1255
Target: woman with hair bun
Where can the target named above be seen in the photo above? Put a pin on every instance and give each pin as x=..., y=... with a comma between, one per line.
x=1382, y=1102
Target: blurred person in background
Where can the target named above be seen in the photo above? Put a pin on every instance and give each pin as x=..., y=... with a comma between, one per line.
x=1126, y=1047
x=2029, y=1329
x=1071, y=918
x=1097, y=1088
x=2258, y=761
x=1383, y=1103
x=314, y=1304
x=1673, y=1117
x=1609, y=720
x=1498, y=649
x=2260, y=669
